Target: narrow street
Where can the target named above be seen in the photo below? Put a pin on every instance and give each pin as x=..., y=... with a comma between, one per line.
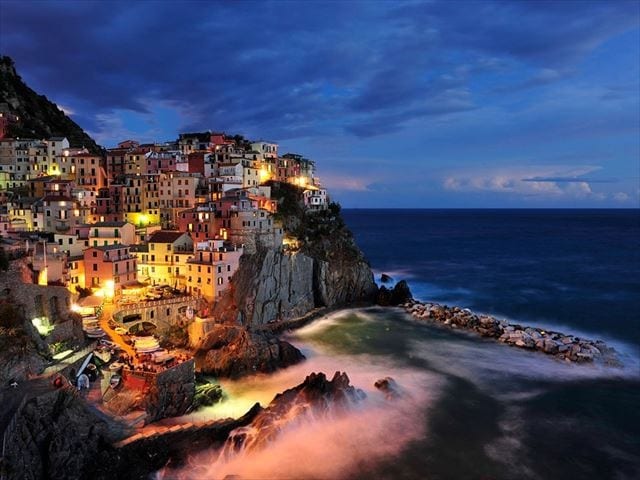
x=107, y=314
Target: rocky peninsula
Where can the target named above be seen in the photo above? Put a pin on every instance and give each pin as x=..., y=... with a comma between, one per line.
x=565, y=347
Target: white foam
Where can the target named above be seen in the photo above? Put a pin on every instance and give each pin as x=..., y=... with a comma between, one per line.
x=333, y=447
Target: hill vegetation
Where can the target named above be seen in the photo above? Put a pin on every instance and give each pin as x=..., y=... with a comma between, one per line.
x=38, y=117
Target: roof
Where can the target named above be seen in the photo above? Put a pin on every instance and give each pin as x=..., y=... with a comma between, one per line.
x=108, y=224
x=58, y=198
x=57, y=139
x=44, y=178
x=106, y=248
x=165, y=236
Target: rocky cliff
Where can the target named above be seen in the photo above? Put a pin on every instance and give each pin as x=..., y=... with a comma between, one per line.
x=325, y=269
x=276, y=285
x=57, y=436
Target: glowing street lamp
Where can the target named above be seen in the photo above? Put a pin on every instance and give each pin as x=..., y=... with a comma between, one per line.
x=109, y=289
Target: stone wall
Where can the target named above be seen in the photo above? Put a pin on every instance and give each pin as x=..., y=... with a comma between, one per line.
x=173, y=392
x=169, y=393
x=52, y=302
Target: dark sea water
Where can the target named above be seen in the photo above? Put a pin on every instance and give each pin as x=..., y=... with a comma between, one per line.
x=502, y=413
x=579, y=268
x=469, y=408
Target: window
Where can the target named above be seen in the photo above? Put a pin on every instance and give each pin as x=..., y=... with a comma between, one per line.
x=95, y=254
x=95, y=267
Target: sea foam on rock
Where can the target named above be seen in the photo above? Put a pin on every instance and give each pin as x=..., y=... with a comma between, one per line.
x=314, y=399
x=566, y=347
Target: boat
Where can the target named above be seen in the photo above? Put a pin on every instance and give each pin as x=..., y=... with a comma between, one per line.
x=116, y=366
x=115, y=380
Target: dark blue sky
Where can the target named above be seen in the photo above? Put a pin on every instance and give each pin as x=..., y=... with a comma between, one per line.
x=402, y=104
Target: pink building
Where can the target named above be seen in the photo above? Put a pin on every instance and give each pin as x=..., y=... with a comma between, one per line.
x=106, y=264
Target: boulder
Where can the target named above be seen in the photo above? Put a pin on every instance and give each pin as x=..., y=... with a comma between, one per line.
x=384, y=278
x=388, y=386
x=234, y=351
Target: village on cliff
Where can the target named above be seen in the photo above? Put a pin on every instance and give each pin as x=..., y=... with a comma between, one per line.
x=137, y=242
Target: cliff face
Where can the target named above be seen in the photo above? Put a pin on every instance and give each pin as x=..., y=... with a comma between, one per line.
x=326, y=269
x=38, y=117
x=275, y=285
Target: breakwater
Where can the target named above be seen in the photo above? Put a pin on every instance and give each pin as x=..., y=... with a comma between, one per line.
x=566, y=347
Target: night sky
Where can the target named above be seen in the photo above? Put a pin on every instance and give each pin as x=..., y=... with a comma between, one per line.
x=402, y=104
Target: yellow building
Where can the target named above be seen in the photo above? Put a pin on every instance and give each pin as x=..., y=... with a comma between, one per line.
x=210, y=269
x=165, y=260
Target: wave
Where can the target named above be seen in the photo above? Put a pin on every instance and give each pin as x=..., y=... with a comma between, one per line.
x=332, y=447
x=502, y=370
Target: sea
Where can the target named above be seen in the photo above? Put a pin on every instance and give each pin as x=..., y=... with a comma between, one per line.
x=469, y=408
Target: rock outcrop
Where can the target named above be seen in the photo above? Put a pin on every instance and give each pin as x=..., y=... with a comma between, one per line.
x=140, y=456
x=314, y=399
x=325, y=269
x=234, y=351
x=388, y=386
x=566, y=347
x=400, y=293
x=57, y=436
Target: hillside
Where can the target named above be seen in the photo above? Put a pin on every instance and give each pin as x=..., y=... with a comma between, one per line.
x=38, y=116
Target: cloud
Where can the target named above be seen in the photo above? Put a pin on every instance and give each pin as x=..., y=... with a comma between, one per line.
x=622, y=197
x=378, y=67
x=536, y=181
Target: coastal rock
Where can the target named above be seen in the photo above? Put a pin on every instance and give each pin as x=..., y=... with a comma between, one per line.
x=173, y=393
x=566, y=347
x=384, y=278
x=388, y=386
x=316, y=398
x=206, y=395
x=234, y=351
x=398, y=295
